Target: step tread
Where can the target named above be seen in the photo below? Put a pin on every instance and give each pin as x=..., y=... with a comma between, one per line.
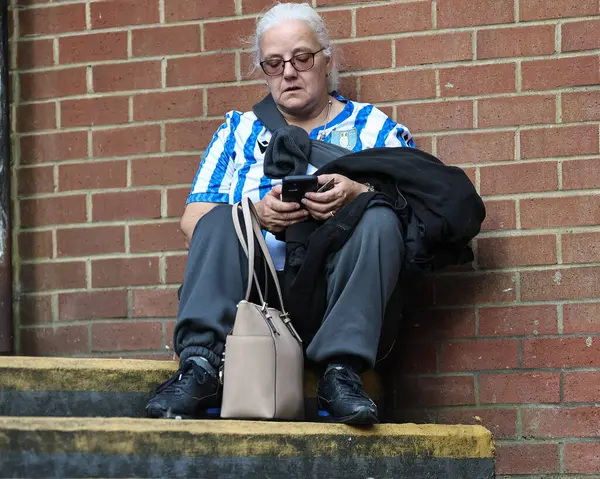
x=241, y=438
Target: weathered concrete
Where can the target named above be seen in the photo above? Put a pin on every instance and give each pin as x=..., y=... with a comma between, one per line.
x=60, y=447
x=31, y=386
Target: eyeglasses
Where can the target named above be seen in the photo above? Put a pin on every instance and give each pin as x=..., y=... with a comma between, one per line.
x=301, y=62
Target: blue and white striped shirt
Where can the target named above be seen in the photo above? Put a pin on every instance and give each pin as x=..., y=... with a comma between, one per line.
x=232, y=166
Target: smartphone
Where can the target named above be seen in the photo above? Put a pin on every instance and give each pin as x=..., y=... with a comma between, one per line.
x=326, y=187
x=295, y=187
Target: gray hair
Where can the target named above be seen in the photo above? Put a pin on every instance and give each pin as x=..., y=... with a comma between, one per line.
x=296, y=11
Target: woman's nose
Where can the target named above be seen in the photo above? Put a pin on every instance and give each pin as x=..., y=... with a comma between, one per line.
x=289, y=71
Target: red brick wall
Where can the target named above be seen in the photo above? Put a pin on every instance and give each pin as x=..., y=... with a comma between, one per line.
x=114, y=101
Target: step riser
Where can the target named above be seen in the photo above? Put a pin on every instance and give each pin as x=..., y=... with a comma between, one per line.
x=35, y=465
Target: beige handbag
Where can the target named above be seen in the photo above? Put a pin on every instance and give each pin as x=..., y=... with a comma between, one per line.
x=264, y=359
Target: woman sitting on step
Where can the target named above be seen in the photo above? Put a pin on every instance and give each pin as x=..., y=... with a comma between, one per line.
x=293, y=50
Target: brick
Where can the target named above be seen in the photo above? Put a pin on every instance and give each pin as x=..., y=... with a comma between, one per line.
x=502, y=423
x=190, y=135
x=126, y=205
x=349, y=86
x=366, y=55
x=473, y=289
x=561, y=72
x=121, y=13
x=167, y=105
x=36, y=116
x=53, y=210
x=93, y=48
x=582, y=458
x=124, y=141
x=478, y=355
x=510, y=251
x=515, y=42
x=384, y=86
x=415, y=358
x=581, y=318
x=518, y=178
x=54, y=341
x=550, y=212
x=126, y=336
x=53, y=147
x=581, y=387
x=437, y=116
x=516, y=111
x=540, y=9
x=171, y=170
x=519, y=388
x=478, y=80
x=255, y=6
x=321, y=3
x=155, y=237
x=584, y=35
x=573, y=283
x=242, y=98
x=36, y=180
x=476, y=147
x=169, y=336
x=518, y=320
x=561, y=422
x=126, y=76
x=339, y=23
x=561, y=352
x=437, y=48
x=581, y=106
x=559, y=141
x=53, y=20
x=581, y=174
x=126, y=272
x=92, y=305
x=166, y=40
x=50, y=276
x=500, y=215
x=94, y=111
x=526, y=458
x=175, y=268
x=201, y=69
x=155, y=303
x=176, y=198
x=385, y=19
x=456, y=13
x=181, y=10
x=248, y=70
x=581, y=248
x=90, y=241
x=424, y=143
x=228, y=34
x=35, y=54
x=35, y=244
x=441, y=324
x=435, y=391
x=35, y=310
x=53, y=84
x=92, y=175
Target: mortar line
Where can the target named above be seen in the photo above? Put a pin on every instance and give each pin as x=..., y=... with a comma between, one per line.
x=517, y=12
x=130, y=110
x=161, y=11
x=559, y=255
x=127, y=239
x=560, y=318
x=129, y=43
x=163, y=138
x=558, y=37
x=89, y=81
x=559, y=113
x=163, y=73
x=162, y=269
x=559, y=169
x=88, y=207
x=475, y=114
x=88, y=16
x=238, y=7
x=393, y=54
x=474, y=45
x=434, y=15
x=55, y=179
x=202, y=45
x=54, y=308
x=54, y=243
x=88, y=273
x=352, y=23
x=238, y=66
x=55, y=52
x=438, y=88
x=561, y=457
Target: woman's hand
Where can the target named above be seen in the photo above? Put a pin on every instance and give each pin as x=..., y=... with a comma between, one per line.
x=276, y=215
x=323, y=206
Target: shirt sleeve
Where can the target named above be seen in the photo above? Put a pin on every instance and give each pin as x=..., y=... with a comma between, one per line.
x=400, y=136
x=215, y=173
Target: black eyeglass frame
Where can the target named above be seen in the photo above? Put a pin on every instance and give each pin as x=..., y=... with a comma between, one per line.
x=291, y=61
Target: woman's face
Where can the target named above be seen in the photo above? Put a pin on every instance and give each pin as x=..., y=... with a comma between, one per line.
x=294, y=91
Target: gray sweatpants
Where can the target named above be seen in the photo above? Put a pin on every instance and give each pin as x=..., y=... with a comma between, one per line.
x=361, y=278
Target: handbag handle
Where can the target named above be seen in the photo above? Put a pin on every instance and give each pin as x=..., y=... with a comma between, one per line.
x=252, y=224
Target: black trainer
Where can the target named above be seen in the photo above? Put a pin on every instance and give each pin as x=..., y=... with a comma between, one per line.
x=193, y=392
x=341, y=397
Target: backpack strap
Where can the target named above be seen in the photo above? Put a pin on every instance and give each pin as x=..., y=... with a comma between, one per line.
x=267, y=112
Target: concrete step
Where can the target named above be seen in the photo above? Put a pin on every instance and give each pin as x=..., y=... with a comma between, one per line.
x=126, y=447
x=36, y=386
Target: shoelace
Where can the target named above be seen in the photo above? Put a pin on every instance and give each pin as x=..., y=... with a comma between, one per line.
x=352, y=380
x=176, y=377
